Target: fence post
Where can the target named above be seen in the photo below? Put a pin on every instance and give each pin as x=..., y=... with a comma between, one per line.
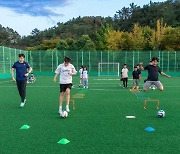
x=168, y=62
x=77, y=59
x=159, y=59
x=89, y=61
x=82, y=58
x=4, y=70
x=40, y=61
x=15, y=55
x=57, y=61
x=108, y=62
x=125, y=58
x=52, y=60
x=101, y=60
x=162, y=61
x=10, y=63
x=175, y=61
x=133, y=61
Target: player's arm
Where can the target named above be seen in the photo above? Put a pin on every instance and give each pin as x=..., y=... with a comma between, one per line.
x=74, y=72
x=57, y=72
x=29, y=71
x=141, y=66
x=164, y=74
x=12, y=74
x=55, y=77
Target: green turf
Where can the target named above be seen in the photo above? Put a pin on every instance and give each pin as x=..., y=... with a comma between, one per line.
x=98, y=125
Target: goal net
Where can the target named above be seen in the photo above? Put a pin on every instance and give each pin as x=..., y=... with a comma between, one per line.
x=108, y=69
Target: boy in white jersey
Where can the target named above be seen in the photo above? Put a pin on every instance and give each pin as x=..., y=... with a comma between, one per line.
x=66, y=71
x=85, y=77
x=80, y=75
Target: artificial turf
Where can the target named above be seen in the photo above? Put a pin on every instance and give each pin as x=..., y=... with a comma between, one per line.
x=97, y=125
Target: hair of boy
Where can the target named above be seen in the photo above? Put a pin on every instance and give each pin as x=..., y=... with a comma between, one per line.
x=135, y=66
x=155, y=58
x=21, y=55
x=67, y=59
x=125, y=64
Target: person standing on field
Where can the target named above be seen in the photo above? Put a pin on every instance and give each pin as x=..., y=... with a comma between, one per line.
x=23, y=69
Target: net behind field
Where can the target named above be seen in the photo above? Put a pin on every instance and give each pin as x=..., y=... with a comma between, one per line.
x=47, y=61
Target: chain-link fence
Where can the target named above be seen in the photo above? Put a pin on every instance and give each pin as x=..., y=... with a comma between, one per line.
x=47, y=61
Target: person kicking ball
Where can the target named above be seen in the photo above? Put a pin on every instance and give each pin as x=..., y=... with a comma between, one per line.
x=153, y=73
x=66, y=71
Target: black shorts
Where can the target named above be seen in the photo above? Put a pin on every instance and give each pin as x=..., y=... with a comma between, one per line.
x=63, y=87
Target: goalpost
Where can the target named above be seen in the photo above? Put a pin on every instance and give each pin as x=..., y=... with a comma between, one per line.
x=108, y=69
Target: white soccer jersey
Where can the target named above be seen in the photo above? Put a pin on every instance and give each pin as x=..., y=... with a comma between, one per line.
x=64, y=71
x=80, y=72
x=124, y=73
x=85, y=74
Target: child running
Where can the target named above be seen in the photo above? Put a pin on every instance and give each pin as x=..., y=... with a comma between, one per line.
x=153, y=71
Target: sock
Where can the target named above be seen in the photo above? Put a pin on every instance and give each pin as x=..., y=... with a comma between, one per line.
x=60, y=108
x=67, y=106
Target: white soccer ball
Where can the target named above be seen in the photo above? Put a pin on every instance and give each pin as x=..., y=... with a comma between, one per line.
x=64, y=114
x=153, y=88
x=161, y=113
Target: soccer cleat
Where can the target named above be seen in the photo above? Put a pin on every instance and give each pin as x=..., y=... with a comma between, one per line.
x=67, y=108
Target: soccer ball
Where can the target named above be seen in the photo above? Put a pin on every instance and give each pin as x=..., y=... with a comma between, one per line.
x=64, y=114
x=161, y=114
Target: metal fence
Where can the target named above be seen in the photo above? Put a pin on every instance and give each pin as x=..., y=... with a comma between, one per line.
x=47, y=61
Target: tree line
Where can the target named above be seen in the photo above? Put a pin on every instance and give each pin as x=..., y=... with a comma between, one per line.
x=155, y=26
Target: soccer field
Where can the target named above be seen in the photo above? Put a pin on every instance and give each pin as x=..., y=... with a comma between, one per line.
x=97, y=125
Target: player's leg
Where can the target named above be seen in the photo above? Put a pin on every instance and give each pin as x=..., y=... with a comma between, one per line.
x=80, y=81
x=126, y=81
x=137, y=84
x=84, y=83
x=68, y=90
x=61, y=97
x=23, y=90
x=134, y=84
x=159, y=85
x=18, y=83
x=147, y=85
x=123, y=79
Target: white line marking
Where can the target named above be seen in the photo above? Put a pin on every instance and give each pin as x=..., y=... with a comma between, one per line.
x=109, y=79
x=5, y=81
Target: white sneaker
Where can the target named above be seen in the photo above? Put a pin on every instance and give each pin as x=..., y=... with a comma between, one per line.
x=87, y=87
x=84, y=87
x=67, y=109
x=22, y=104
x=60, y=111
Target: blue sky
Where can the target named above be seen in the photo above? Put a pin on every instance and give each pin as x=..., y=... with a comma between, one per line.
x=25, y=15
